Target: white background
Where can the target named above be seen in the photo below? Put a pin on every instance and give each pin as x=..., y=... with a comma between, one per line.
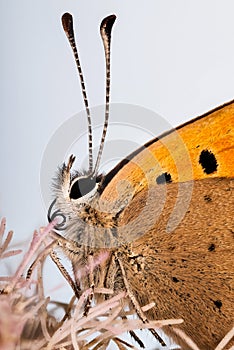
x=175, y=57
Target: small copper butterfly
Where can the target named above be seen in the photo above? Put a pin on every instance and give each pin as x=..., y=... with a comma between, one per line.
x=166, y=228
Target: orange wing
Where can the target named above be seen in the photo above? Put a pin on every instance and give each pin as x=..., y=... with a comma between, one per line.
x=201, y=148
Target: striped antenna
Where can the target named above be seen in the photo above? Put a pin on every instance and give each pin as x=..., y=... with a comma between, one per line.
x=67, y=22
x=105, y=29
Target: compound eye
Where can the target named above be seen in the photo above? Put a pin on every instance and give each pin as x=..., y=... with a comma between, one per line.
x=82, y=186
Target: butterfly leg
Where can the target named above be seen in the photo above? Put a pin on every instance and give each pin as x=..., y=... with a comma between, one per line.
x=108, y=282
x=91, y=285
x=134, y=335
x=135, y=302
x=65, y=274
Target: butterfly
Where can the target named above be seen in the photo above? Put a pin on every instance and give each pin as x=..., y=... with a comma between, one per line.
x=163, y=219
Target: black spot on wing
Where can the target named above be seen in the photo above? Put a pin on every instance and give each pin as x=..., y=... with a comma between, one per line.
x=218, y=304
x=208, y=162
x=207, y=198
x=175, y=279
x=163, y=178
x=211, y=248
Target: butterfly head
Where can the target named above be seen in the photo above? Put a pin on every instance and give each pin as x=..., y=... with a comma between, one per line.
x=73, y=190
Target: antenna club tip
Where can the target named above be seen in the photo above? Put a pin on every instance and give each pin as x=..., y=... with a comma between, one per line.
x=113, y=17
x=67, y=22
x=108, y=22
